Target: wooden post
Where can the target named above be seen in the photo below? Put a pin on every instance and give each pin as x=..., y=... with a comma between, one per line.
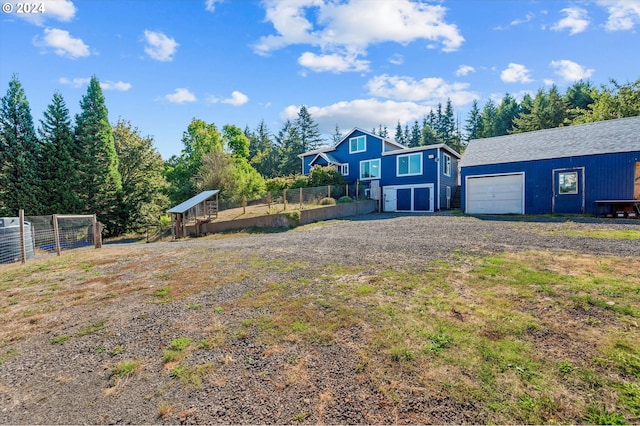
x=56, y=233
x=346, y=189
x=357, y=195
x=96, y=232
x=328, y=191
x=269, y=201
x=284, y=198
x=23, y=247
x=300, y=198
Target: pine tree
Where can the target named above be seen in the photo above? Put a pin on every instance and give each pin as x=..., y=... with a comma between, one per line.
x=489, y=119
x=289, y=147
x=308, y=130
x=506, y=112
x=58, y=171
x=337, y=136
x=100, y=180
x=262, y=151
x=19, y=154
x=448, y=125
x=415, y=136
x=473, y=126
x=399, y=136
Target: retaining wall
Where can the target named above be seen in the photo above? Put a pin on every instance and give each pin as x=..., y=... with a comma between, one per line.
x=289, y=219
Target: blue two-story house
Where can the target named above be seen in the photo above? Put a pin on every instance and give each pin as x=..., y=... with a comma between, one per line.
x=420, y=179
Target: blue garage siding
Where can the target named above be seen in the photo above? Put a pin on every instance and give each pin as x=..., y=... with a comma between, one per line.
x=450, y=181
x=606, y=176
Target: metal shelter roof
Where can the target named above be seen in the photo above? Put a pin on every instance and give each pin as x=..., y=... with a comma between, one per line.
x=193, y=201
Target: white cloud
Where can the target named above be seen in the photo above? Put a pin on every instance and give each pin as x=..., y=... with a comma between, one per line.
x=120, y=86
x=59, y=10
x=236, y=99
x=159, y=46
x=105, y=85
x=210, y=5
x=623, y=14
x=63, y=44
x=576, y=20
x=181, y=95
x=515, y=73
x=348, y=28
x=335, y=63
x=75, y=83
x=464, y=70
x=528, y=17
x=571, y=71
x=396, y=59
x=432, y=90
x=363, y=113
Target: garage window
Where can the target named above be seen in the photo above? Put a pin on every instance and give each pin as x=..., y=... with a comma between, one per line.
x=568, y=183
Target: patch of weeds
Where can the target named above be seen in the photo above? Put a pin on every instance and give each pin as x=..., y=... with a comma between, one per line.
x=439, y=342
x=629, y=396
x=299, y=326
x=194, y=306
x=599, y=415
x=165, y=410
x=117, y=350
x=99, y=349
x=565, y=367
x=205, y=344
x=218, y=310
x=11, y=353
x=401, y=353
x=176, y=347
x=191, y=374
x=365, y=289
x=92, y=328
x=125, y=368
x=300, y=417
x=59, y=340
x=162, y=292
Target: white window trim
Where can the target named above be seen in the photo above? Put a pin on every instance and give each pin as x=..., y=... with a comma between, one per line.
x=361, y=150
x=370, y=161
x=446, y=162
x=344, y=169
x=398, y=174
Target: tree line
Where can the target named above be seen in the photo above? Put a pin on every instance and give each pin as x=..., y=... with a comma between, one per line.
x=88, y=165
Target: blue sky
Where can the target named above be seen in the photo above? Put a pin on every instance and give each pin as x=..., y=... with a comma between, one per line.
x=353, y=63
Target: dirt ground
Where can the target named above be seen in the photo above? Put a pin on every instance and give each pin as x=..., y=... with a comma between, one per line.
x=90, y=311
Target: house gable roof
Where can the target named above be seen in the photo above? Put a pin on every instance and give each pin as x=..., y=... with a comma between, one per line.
x=602, y=137
x=424, y=148
x=327, y=156
x=384, y=140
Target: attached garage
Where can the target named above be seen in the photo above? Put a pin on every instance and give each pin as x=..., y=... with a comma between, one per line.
x=495, y=194
x=409, y=198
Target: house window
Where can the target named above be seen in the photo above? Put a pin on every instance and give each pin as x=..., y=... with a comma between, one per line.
x=370, y=169
x=568, y=183
x=447, y=165
x=409, y=165
x=344, y=169
x=357, y=144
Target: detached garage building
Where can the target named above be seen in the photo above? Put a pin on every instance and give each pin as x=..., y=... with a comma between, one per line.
x=563, y=170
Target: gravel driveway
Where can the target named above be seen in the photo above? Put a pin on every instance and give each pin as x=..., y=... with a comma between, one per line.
x=65, y=383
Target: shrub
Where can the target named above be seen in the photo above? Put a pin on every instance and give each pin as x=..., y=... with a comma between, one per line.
x=345, y=199
x=300, y=182
x=277, y=184
x=327, y=201
x=321, y=176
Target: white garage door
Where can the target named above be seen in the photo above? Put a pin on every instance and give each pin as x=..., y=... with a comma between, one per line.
x=495, y=194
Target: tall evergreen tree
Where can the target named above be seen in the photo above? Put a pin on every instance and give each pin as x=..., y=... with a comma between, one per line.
x=308, y=130
x=19, y=154
x=58, y=170
x=337, y=136
x=621, y=100
x=506, y=112
x=473, y=127
x=289, y=147
x=100, y=180
x=578, y=97
x=143, y=185
x=415, y=135
x=489, y=119
x=262, y=151
x=448, y=125
x=548, y=111
x=399, y=136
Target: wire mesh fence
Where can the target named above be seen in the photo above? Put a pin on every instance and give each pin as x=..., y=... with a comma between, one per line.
x=39, y=235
